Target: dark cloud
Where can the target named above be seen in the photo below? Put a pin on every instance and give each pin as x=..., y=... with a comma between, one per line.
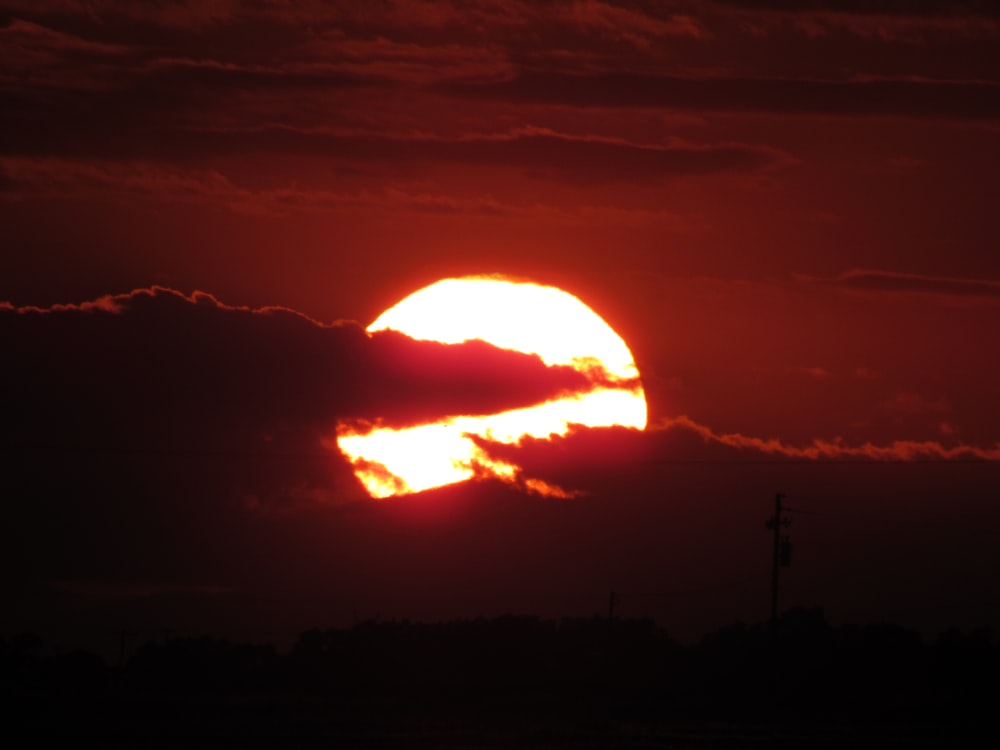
x=538, y=152
x=187, y=13
x=914, y=98
x=870, y=29
x=154, y=368
x=601, y=458
x=26, y=42
x=156, y=113
x=146, y=434
x=618, y=22
x=49, y=178
x=542, y=153
x=889, y=8
x=891, y=281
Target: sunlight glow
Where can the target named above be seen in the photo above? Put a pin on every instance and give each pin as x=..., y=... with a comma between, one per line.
x=523, y=317
x=528, y=318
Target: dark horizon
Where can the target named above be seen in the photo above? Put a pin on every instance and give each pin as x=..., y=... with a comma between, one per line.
x=575, y=682
x=452, y=556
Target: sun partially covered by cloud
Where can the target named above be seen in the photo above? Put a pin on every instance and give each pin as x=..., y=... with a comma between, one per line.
x=159, y=373
x=514, y=316
x=166, y=421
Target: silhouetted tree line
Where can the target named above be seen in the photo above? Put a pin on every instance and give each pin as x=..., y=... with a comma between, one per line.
x=631, y=667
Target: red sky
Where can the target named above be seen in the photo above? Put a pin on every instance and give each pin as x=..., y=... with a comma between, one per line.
x=785, y=207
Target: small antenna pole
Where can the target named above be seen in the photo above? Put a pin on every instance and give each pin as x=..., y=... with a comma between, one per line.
x=781, y=553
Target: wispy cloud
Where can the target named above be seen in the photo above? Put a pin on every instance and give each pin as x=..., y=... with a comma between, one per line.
x=127, y=182
x=898, y=282
x=833, y=450
x=189, y=14
x=903, y=96
x=880, y=20
x=536, y=152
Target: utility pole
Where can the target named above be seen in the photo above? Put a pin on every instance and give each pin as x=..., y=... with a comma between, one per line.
x=781, y=555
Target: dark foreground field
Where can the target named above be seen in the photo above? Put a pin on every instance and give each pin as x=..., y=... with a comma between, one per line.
x=311, y=722
x=517, y=682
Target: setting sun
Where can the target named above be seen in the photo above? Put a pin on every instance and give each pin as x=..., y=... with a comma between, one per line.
x=523, y=317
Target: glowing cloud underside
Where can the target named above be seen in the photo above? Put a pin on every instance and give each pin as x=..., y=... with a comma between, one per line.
x=522, y=317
